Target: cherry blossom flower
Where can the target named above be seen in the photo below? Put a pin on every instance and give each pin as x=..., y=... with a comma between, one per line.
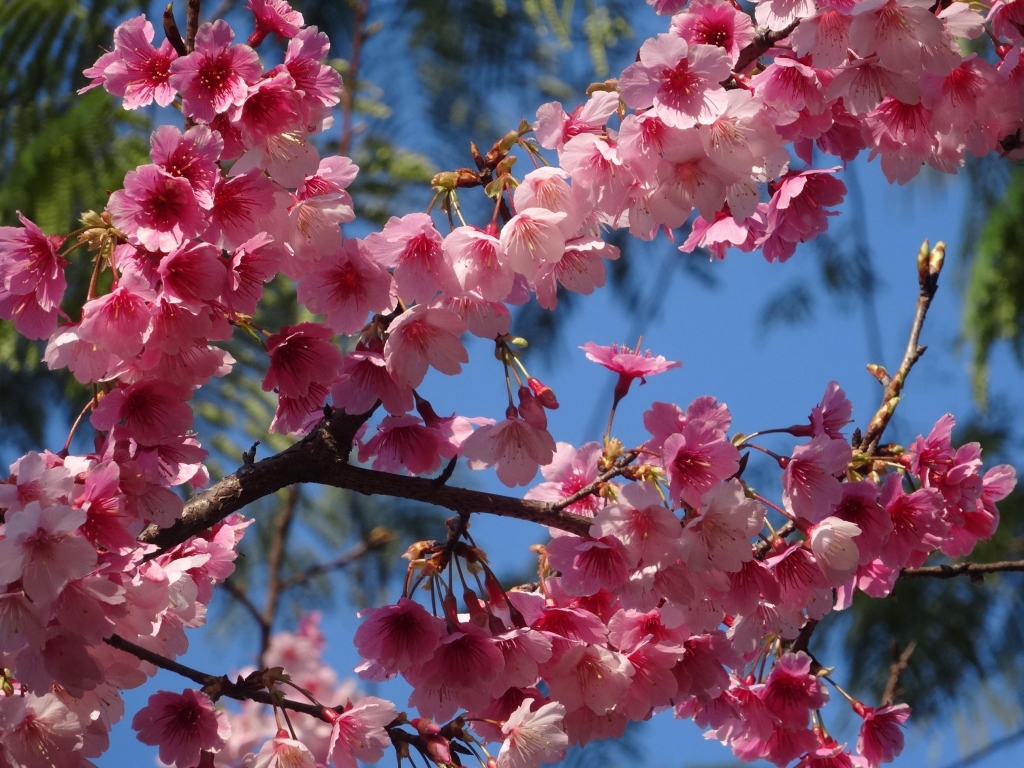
x=182, y=725
x=791, y=691
x=41, y=549
x=679, y=80
x=896, y=30
x=554, y=127
x=32, y=281
x=38, y=730
x=273, y=17
x=253, y=263
x=809, y=486
x=918, y=525
x=405, y=442
x=300, y=356
x=628, y=363
x=347, y=287
x=157, y=210
x=834, y=548
x=358, y=733
x=118, y=321
x=711, y=22
x=533, y=238
x=150, y=410
x=588, y=565
x=284, y=752
x=719, y=538
x=35, y=479
x=533, y=737
x=479, y=262
x=216, y=75
x=398, y=637
x=797, y=212
x=640, y=520
x=590, y=676
x=696, y=459
x=242, y=204
x=412, y=246
x=365, y=379
x=424, y=337
x=570, y=470
x=513, y=447
x=138, y=72
x=580, y=270
x=881, y=737
x=303, y=59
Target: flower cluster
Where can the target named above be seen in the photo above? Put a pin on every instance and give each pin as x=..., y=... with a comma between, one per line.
x=656, y=592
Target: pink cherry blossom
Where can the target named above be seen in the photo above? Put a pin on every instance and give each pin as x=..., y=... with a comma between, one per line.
x=118, y=322
x=320, y=83
x=39, y=730
x=253, y=263
x=41, y=549
x=35, y=479
x=273, y=106
x=32, y=281
x=833, y=542
x=554, y=127
x=628, y=363
x=140, y=73
x=792, y=691
x=479, y=262
x=860, y=506
x=405, y=442
x=588, y=565
x=358, y=733
x=347, y=287
x=412, y=245
x=533, y=238
x=797, y=212
x=713, y=22
x=513, y=447
x=533, y=737
x=719, y=538
x=590, y=676
x=242, y=206
x=918, y=525
x=365, y=379
x=398, y=637
x=182, y=725
x=896, y=30
x=580, y=270
x=150, y=411
x=777, y=15
x=283, y=752
x=274, y=17
x=157, y=210
x=881, y=736
x=216, y=75
x=300, y=356
x=809, y=486
x=679, y=80
x=424, y=337
x=696, y=459
x=570, y=470
x=825, y=37
x=192, y=275
x=192, y=156
x=641, y=521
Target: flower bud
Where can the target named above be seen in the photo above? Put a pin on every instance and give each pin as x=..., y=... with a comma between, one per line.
x=544, y=394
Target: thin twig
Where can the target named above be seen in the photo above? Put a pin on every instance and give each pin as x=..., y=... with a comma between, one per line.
x=242, y=598
x=192, y=8
x=621, y=465
x=897, y=668
x=974, y=570
x=762, y=548
x=348, y=97
x=275, y=561
x=377, y=538
x=929, y=265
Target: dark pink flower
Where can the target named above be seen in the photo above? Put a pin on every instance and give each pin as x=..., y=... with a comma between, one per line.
x=365, y=379
x=150, y=410
x=791, y=691
x=918, y=525
x=192, y=275
x=589, y=565
x=796, y=212
x=300, y=356
x=881, y=735
x=696, y=459
x=254, y=262
x=405, y=442
x=809, y=486
x=243, y=206
x=216, y=75
x=273, y=106
x=192, y=156
x=304, y=58
x=412, y=246
x=141, y=74
x=119, y=321
x=182, y=725
x=628, y=363
x=295, y=415
x=155, y=209
x=712, y=22
x=570, y=470
x=274, y=17
x=398, y=637
x=347, y=287
x=32, y=281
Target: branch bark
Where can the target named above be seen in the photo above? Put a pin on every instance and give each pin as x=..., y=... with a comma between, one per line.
x=760, y=45
x=192, y=8
x=974, y=570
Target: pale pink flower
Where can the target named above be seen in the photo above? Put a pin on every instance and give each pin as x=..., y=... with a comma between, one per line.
x=347, y=287
x=22, y=622
x=548, y=187
x=243, y=206
x=273, y=17
x=398, y=637
x=809, y=486
x=723, y=232
x=789, y=87
x=524, y=650
x=32, y=281
x=533, y=238
x=365, y=379
x=834, y=547
x=36, y=478
x=513, y=447
x=151, y=410
x=696, y=459
x=554, y=127
x=719, y=538
x=589, y=565
x=590, y=676
x=320, y=84
x=580, y=270
x=776, y=15
x=40, y=547
x=628, y=363
x=864, y=83
x=412, y=246
x=139, y=72
x=157, y=210
x=715, y=22
x=85, y=360
x=791, y=691
x=596, y=169
x=570, y=470
x=896, y=30
x=216, y=75
x=253, y=263
x=918, y=525
x=881, y=736
x=682, y=82
x=39, y=730
x=640, y=520
x=118, y=322
x=962, y=97
x=533, y=737
x=287, y=157
x=479, y=261
x=424, y=337
x=300, y=356
x=485, y=319
x=405, y=442
x=825, y=37
x=358, y=733
x=283, y=752
x=182, y=725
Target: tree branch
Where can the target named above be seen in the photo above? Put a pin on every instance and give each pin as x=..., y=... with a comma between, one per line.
x=760, y=45
x=929, y=265
x=171, y=31
x=360, y=10
x=897, y=668
x=192, y=8
x=974, y=570
x=275, y=559
x=377, y=538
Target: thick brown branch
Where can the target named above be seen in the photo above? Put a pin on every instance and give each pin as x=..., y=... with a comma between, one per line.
x=760, y=45
x=929, y=265
x=171, y=31
x=962, y=569
x=803, y=640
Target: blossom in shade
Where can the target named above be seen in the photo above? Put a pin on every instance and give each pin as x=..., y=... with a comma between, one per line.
x=513, y=447
x=412, y=246
x=181, y=725
x=570, y=470
x=533, y=737
x=32, y=281
x=881, y=734
x=347, y=287
x=273, y=17
x=589, y=565
x=35, y=479
x=192, y=275
x=791, y=691
x=39, y=730
x=300, y=356
x=832, y=413
x=157, y=210
x=918, y=524
x=797, y=211
x=242, y=205
x=719, y=538
x=358, y=733
x=590, y=676
x=423, y=337
x=139, y=72
x=809, y=486
x=697, y=458
x=41, y=549
x=628, y=363
x=365, y=379
x=681, y=81
x=405, y=442
x=398, y=637
x=150, y=410
x=215, y=77
x=253, y=263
